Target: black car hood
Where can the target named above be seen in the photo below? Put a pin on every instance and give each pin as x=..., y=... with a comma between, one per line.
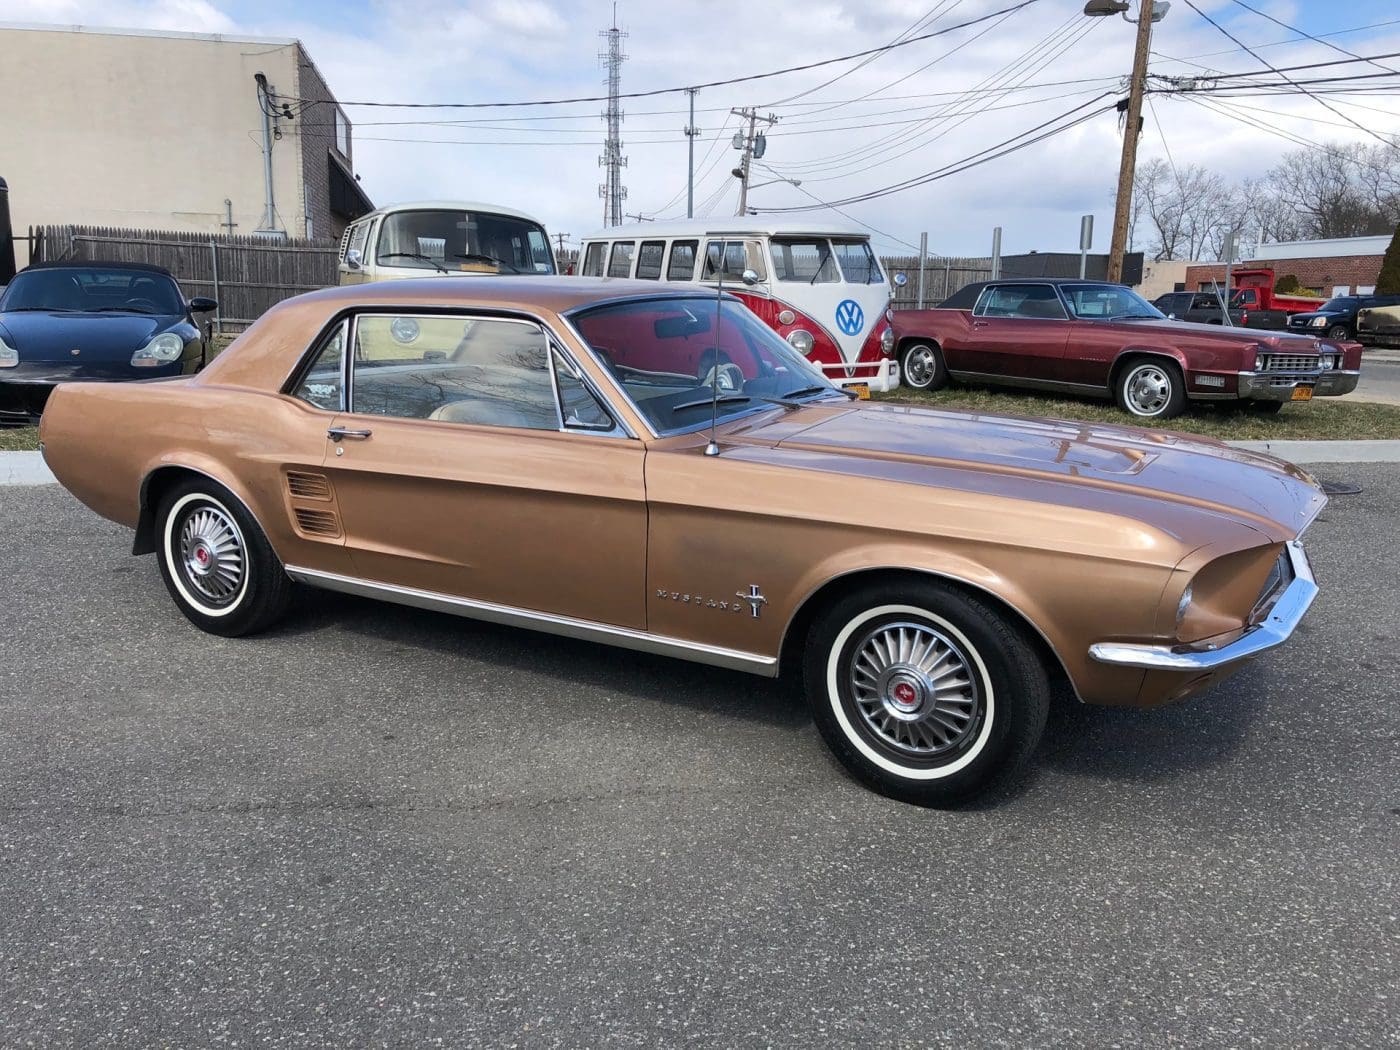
x=45, y=337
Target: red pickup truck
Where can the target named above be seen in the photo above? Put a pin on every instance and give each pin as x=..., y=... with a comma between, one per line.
x=1091, y=338
x=1263, y=307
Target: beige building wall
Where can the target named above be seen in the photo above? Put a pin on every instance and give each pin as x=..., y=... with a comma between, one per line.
x=1160, y=277
x=143, y=130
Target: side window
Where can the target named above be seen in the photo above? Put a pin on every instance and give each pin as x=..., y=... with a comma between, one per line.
x=731, y=259
x=455, y=369
x=1250, y=298
x=323, y=382
x=355, y=242
x=578, y=408
x=620, y=263
x=1021, y=300
x=681, y=266
x=649, y=257
x=593, y=260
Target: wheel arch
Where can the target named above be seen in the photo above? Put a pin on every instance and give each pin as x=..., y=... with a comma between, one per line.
x=161, y=479
x=837, y=587
x=1132, y=353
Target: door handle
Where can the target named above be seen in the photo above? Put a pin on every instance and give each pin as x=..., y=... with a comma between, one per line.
x=336, y=433
x=979, y=324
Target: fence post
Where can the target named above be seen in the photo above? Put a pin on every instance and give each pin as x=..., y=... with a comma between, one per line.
x=218, y=310
x=923, y=261
x=947, y=277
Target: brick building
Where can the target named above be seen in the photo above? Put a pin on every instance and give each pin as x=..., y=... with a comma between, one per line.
x=1336, y=267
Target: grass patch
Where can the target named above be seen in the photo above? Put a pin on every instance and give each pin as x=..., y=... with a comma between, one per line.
x=1326, y=419
x=19, y=439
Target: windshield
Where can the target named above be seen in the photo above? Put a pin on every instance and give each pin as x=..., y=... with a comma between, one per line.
x=858, y=262
x=667, y=353
x=463, y=242
x=803, y=259
x=1339, y=306
x=86, y=290
x=1108, y=302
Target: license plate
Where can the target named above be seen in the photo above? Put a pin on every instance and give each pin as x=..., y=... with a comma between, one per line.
x=862, y=390
x=1302, y=393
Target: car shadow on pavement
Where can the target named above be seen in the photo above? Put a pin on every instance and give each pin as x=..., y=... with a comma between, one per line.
x=566, y=660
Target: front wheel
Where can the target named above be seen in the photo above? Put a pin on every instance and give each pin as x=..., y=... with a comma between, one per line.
x=1151, y=389
x=1339, y=333
x=921, y=367
x=924, y=694
x=216, y=562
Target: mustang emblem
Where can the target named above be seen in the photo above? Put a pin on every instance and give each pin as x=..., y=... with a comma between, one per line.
x=754, y=598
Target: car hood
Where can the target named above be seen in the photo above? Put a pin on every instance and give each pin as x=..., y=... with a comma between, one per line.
x=44, y=336
x=1291, y=341
x=1123, y=469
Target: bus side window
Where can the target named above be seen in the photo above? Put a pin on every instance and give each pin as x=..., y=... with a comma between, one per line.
x=681, y=266
x=620, y=262
x=593, y=259
x=649, y=257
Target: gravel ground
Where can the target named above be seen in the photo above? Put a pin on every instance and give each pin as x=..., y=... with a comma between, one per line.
x=386, y=827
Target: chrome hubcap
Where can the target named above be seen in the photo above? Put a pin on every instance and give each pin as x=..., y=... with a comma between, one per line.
x=211, y=552
x=919, y=366
x=1148, y=390
x=914, y=689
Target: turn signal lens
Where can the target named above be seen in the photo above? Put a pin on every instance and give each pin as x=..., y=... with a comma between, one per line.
x=1259, y=362
x=801, y=340
x=161, y=350
x=9, y=356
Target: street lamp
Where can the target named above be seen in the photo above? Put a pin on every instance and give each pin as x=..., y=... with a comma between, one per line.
x=1156, y=10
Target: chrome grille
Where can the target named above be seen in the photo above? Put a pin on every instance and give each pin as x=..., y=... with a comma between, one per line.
x=1280, y=576
x=1290, y=363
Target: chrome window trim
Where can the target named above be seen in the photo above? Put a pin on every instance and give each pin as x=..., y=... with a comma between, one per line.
x=308, y=361
x=565, y=626
x=621, y=427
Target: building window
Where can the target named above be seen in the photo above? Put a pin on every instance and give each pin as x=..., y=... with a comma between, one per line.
x=342, y=134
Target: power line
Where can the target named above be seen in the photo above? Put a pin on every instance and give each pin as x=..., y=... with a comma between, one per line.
x=708, y=84
x=1255, y=55
x=1304, y=33
x=1321, y=38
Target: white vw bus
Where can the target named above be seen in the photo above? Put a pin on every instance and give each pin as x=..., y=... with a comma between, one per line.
x=820, y=286
x=443, y=238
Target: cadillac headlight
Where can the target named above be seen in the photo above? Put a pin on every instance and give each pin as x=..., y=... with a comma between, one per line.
x=9, y=356
x=1318, y=322
x=1328, y=362
x=161, y=350
x=801, y=340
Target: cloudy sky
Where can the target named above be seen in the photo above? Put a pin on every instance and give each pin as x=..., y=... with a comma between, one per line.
x=844, y=130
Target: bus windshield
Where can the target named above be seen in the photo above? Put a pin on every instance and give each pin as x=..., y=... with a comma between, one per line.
x=472, y=241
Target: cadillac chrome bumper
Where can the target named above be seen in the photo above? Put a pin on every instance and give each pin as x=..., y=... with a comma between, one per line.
x=1278, y=386
x=1273, y=631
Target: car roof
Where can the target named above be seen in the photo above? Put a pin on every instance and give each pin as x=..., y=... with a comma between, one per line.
x=734, y=225
x=447, y=205
x=97, y=264
x=556, y=294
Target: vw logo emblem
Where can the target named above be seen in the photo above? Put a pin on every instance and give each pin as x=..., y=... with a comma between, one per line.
x=850, y=318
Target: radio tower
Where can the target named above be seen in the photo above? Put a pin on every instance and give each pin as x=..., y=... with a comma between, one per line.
x=613, y=191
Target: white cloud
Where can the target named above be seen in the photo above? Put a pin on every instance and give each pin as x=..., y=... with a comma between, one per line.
x=183, y=16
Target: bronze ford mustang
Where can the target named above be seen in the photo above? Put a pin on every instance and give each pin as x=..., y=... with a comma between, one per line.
x=536, y=452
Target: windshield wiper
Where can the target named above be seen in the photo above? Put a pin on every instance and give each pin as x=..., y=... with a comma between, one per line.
x=483, y=257
x=723, y=399
x=42, y=309
x=415, y=255
x=118, y=309
x=789, y=400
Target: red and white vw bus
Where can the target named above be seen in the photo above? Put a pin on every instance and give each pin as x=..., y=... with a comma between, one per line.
x=819, y=286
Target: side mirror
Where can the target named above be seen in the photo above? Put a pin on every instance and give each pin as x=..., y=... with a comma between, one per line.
x=900, y=280
x=749, y=277
x=354, y=260
x=1171, y=317
x=202, y=304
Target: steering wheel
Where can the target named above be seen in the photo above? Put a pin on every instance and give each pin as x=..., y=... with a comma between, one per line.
x=729, y=379
x=155, y=309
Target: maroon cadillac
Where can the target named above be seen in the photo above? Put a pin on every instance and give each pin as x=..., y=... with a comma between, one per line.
x=1104, y=340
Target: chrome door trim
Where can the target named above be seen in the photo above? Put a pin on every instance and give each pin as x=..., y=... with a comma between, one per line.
x=564, y=626
x=1054, y=385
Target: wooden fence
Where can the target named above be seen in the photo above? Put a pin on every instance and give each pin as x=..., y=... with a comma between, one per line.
x=942, y=277
x=247, y=275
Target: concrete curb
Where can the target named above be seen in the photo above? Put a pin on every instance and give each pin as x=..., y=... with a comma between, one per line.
x=29, y=468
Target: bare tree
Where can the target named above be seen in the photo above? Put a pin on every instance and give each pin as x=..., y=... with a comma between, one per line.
x=1340, y=190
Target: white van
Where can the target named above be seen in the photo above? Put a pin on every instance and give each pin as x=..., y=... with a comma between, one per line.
x=820, y=285
x=443, y=238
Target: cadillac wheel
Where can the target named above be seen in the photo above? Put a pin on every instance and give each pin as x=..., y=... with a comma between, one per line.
x=215, y=561
x=924, y=693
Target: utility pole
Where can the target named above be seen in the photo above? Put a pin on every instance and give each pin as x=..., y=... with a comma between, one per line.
x=269, y=133
x=752, y=144
x=690, y=132
x=561, y=238
x=612, y=191
x=1127, y=167
x=639, y=217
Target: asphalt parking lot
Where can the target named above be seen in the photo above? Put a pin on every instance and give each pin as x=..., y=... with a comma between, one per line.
x=381, y=826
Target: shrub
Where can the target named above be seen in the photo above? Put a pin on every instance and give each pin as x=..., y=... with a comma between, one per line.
x=1388, y=283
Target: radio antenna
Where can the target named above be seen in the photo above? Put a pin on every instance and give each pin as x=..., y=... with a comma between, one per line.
x=750, y=278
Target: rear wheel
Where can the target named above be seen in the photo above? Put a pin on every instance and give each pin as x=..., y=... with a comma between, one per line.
x=924, y=694
x=1151, y=388
x=216, y=562
x=921, y=367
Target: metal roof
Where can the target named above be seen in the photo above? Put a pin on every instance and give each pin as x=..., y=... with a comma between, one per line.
x=745, y=225
x=442, y=205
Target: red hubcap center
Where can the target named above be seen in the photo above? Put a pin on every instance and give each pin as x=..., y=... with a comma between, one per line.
x=905, y=695
x=201, y=556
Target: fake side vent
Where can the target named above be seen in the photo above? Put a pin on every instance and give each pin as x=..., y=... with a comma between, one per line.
x=318, y=522
x=308, y=486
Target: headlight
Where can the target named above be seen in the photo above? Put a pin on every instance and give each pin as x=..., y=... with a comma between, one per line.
x=9, y=356
x=161, y=350
x=887, y=341
x=1328, y=362
x=1318, y=322
x=801, y=340
x=1182, y=606
x=1259, y=362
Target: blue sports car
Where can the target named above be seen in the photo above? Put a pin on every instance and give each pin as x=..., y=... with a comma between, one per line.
x=92, y=321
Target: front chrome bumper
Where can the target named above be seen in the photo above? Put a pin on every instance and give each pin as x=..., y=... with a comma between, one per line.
x=1271, y=632
x=1279, y=386
x=884, y=380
